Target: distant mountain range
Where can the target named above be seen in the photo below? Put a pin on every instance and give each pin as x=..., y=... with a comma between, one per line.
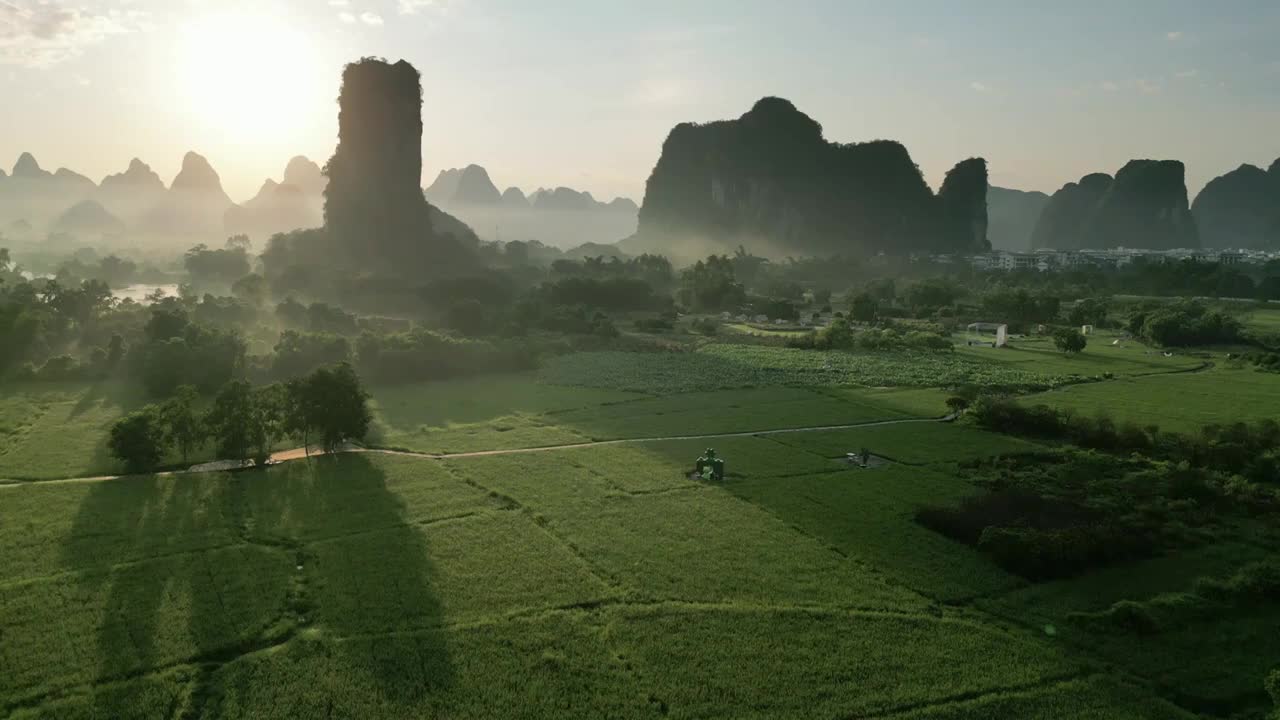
x=471, y=185
x=562, y=217
x=1143, y=205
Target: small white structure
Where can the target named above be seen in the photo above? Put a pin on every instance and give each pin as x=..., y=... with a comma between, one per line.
x=1086, y=329
x=762, y=318
x=985, y=333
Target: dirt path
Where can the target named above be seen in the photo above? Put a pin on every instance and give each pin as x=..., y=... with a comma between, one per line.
x=301, y=453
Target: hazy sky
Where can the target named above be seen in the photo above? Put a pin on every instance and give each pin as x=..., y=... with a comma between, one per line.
x=582, y=93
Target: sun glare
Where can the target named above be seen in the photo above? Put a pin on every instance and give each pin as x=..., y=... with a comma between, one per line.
x=248, y=75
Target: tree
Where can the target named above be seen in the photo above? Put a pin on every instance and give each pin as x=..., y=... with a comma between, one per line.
x=1273, y=688
x=182, y=427
x=863, y=307
x=329, y=404
x=228, y=420
x=251, y=288
x=1088, y=311
x=711, y=285
x=137, y=439
x=1069, y=340
x=957, y=404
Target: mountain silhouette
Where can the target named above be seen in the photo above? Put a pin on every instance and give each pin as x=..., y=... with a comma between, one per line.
x=475, y=187
x=1241, y=209
x=1012, y=216
x=514, y=197
x=304, y=174
x=88, y=218
x=771, y=182
x=1143, y=206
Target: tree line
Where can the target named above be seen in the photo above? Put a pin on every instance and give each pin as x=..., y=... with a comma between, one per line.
x=329, y=407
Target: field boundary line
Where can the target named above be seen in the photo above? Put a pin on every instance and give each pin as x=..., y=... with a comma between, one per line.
x=299, y=454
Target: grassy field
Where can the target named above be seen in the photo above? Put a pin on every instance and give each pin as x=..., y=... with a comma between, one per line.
x=588, y=582
x=719, y=366
x=596, y=581
x=1180, y=402
x=1127, y=358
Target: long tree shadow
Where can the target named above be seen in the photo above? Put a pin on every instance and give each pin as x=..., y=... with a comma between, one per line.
x=310, y=569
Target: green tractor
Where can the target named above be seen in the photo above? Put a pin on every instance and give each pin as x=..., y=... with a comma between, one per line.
x=708, y=467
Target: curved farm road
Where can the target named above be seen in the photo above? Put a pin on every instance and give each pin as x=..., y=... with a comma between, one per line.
x=299, y=453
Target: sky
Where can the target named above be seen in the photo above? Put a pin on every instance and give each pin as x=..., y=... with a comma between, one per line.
x=582, y=93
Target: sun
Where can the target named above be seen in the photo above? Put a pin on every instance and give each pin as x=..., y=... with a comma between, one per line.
x=254, y=77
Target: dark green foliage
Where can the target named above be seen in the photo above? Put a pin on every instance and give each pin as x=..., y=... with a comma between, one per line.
x=298, y=353
x=711, y=285
x=138, y=440
x=216, y=267
x=182, y=426
x=245, y=422
x=1069, y=340
x=420, y=354
x=706, y=326
x=1185, y=323
x=322, y=318
x=329, y=405
x=251, y=289
x=775, y=309
x=840, y=336
x=926, y=296
x=1089, y=311
x=1254, y=585
x=1273, y=689
x=863, y=307
x=785, y=290
x=614, y=293
x=178, y=352
x=1019, y=307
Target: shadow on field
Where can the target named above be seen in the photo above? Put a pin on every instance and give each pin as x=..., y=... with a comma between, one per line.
x=315, y=561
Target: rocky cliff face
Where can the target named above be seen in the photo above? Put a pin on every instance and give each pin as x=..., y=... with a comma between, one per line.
x=374, y=206
x=1144, y=206
x=1241, y=209
x=1062, y=223
x=769, y=180
x=1011, y=217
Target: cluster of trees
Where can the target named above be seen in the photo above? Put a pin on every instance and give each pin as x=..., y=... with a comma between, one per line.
x=218, y=267
x=1058, y=513
x=1251, y=451
x=177, y=351
x=244, y=422
x=839, y=335
x=711, y=285
x=1183, y=324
